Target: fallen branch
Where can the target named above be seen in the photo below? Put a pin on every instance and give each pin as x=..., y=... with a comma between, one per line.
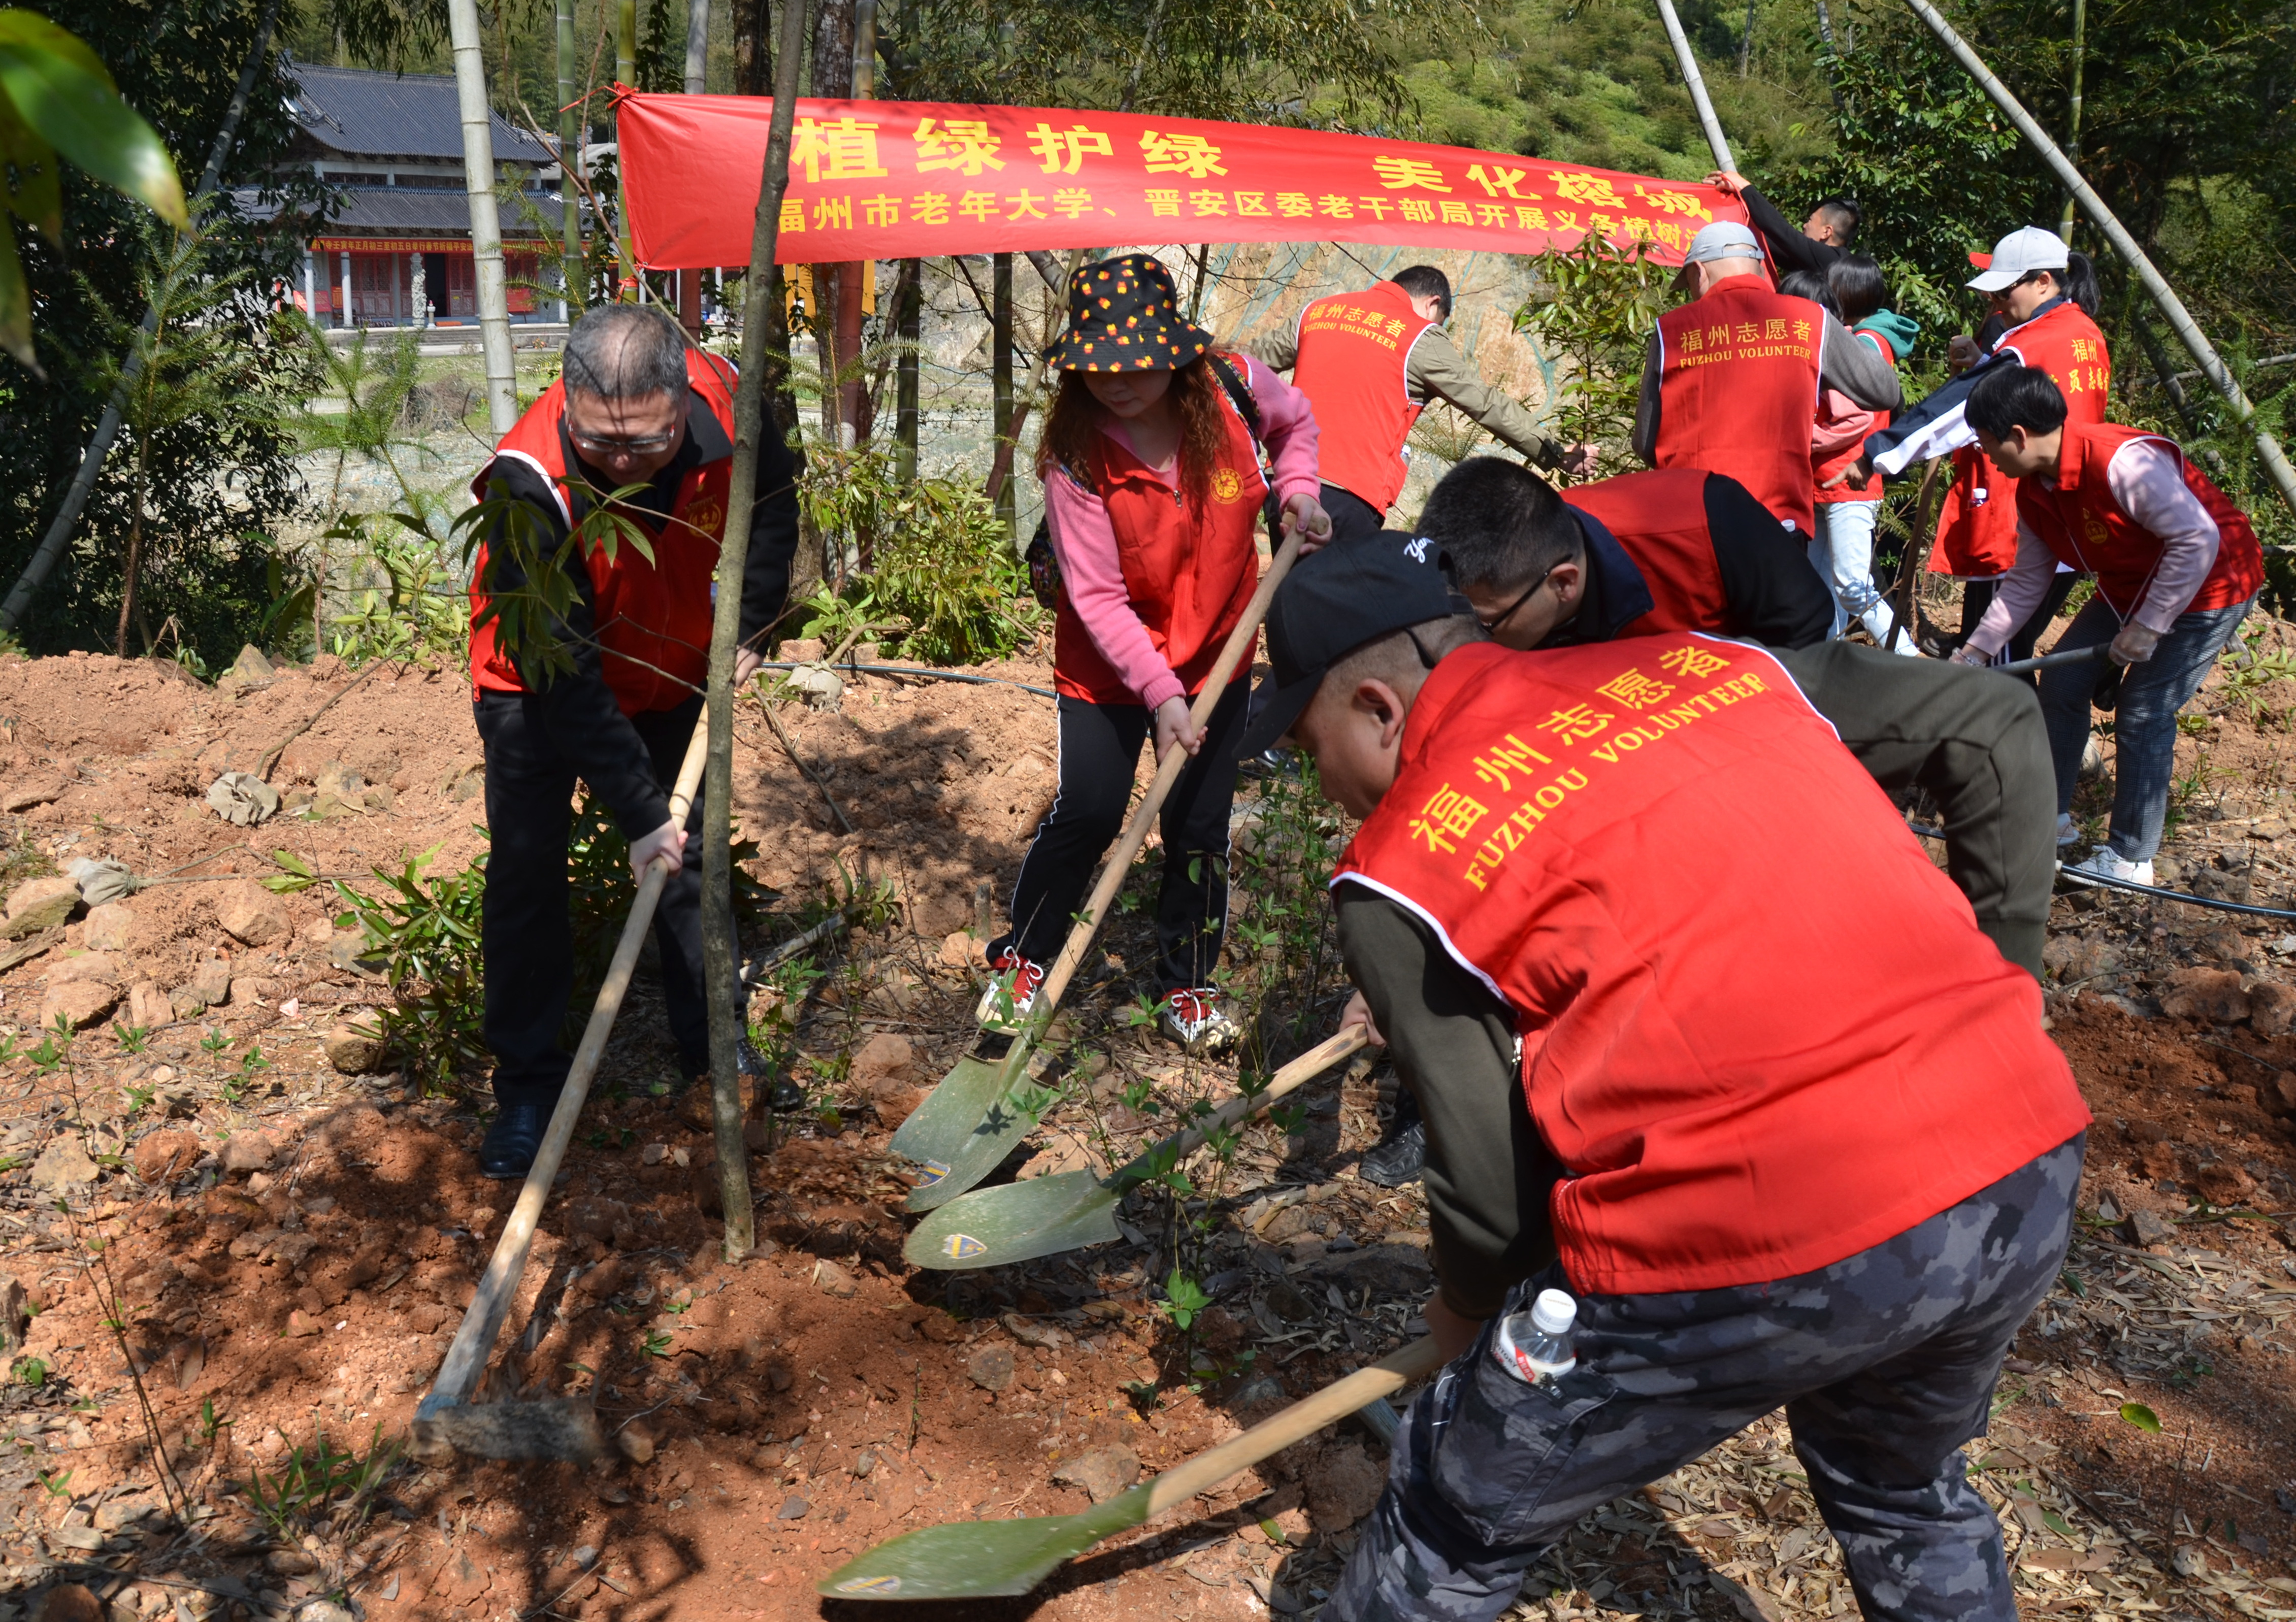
x=272, y=759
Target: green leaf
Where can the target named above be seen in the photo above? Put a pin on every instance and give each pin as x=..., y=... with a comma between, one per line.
x=61, y=89
x=2142, y=1417
x=38, y=195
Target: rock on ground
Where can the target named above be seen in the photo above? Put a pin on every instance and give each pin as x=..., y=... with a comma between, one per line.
x=2271, y=1008
x=245, y=1153
x=80, y=1003
x=1102, y=1473
x=2205, y=994
x=1342, y=1485
x=354, y=1047
x=41, y=904
x=148, y=1007
x=110, y=926
x=991, y=1368
x=251, y=914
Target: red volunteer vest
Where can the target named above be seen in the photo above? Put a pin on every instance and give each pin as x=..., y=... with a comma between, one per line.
x=1189, y=573
x=1977, y=526
x=2087, y=530
x=1350, y=364
x=1862, y=423
x=1736, y=1097
x=653, y=618
x=1659, y=518
x=1738, y=391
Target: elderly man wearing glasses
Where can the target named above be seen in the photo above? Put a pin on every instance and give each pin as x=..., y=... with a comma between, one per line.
x=607, y=686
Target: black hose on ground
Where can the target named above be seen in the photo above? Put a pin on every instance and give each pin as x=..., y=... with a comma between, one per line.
x=2148, y=889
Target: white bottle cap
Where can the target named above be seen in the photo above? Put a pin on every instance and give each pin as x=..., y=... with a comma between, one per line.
x=1554, y=1313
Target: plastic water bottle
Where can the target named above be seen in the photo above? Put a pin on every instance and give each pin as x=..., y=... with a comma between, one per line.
x=1534, y=1346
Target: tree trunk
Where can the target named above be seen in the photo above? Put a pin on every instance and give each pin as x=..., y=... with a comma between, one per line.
x=837, y=323
x=721, y=969
x=753, y=48
x=908, y=324
x=135, y=560
x=1000, y=374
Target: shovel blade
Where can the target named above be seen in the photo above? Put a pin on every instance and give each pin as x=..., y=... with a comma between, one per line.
x=969, y=1123
x=977, y=1560
x=938, y=1128
x=1015, y=1222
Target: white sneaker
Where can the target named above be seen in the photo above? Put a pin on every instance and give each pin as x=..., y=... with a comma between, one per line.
x=1194, y=1018
x=2105, y=864
x=2067, y=834
x=2092, y=766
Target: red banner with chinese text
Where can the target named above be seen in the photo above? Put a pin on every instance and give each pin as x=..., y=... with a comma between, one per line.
x=872, y=180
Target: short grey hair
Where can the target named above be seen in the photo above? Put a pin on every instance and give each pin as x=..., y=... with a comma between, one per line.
x=623, y=351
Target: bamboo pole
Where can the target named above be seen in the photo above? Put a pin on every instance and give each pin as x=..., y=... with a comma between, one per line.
x=719, y=970
x=697, y=47
x=625, y=72
x=573, y=124
x=2073, y=106
x=486, y=221
x=107, y=428
x=1697, y=84
x=2180, y=320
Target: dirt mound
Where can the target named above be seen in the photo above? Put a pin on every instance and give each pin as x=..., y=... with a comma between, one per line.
x=290, y=1249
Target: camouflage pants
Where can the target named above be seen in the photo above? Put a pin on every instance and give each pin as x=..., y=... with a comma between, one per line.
x=1884, y=1364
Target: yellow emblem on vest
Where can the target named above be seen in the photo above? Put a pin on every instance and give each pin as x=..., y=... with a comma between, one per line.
x=2098, y=533
x=708, y=515
x=1227, y=484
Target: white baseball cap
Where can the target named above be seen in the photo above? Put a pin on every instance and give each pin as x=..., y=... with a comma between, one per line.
x=2030, y=248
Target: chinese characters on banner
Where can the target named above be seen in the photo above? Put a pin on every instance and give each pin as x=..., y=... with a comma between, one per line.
x=902, y=179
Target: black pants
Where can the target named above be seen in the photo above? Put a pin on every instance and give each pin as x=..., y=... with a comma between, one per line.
x=529, y=940
x=1100, y=748
x=1975, y=741
x=1977, y=596
x=1352, y=517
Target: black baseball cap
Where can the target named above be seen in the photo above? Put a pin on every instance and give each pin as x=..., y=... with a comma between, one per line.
x=1333, y=602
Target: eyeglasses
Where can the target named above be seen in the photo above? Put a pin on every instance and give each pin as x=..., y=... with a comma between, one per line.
x=622, y=448
x=1507, y=613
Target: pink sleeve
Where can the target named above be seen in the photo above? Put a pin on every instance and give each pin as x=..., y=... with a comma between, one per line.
x=1287, y=428
x=2148, y=480
x=1092, y=576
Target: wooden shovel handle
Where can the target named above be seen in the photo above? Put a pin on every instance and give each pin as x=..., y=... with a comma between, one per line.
x=474, y=1341
x=1293, y=1075
x=1303, y=1418
x=1167, y=772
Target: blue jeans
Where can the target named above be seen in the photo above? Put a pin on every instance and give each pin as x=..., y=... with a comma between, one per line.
x=1842, y=551
x=2145, y=724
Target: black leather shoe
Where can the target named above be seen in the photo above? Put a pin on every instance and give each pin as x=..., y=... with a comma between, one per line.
x=781, y=1095
x=510, y=1143
x=1400, y=1156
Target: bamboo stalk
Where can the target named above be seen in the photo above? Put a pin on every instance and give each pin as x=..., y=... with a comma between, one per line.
x=720, y=972
x=1696, y=82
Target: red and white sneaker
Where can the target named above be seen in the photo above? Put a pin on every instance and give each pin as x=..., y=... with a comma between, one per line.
x=1011, y=994
x=1196, y=1019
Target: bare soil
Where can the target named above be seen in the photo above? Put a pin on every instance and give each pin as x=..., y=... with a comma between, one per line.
x=288, y=1249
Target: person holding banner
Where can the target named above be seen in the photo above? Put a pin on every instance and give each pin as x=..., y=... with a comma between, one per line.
x=1824, y=237
x=1150, y=461
x=1369, y=362
x=2177, y=568
x=1732, y=379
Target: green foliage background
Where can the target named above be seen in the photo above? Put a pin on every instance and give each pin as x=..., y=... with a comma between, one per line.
x=2187, y=133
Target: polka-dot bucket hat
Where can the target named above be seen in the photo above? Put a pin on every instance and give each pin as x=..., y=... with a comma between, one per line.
x=1124, y=316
